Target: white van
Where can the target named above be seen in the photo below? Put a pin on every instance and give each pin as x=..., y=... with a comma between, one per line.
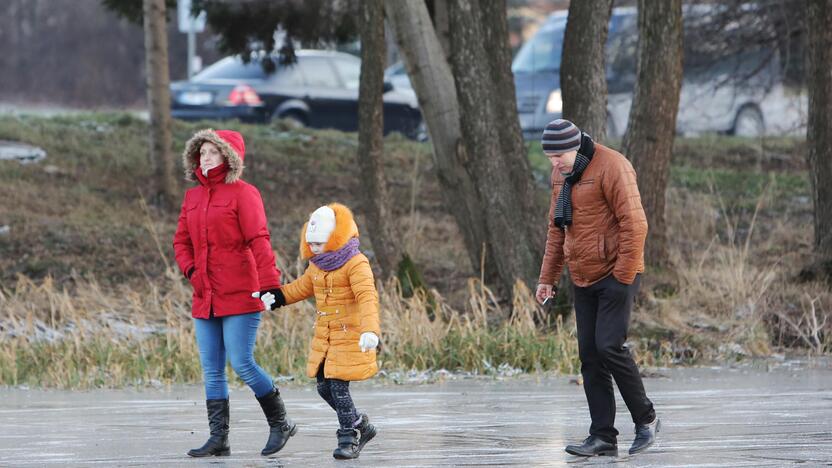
x=712, y=98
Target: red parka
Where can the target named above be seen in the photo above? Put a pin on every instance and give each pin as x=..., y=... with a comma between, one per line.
x=222, y=232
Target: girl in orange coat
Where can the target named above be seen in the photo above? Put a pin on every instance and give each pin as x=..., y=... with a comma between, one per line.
x=347, y=326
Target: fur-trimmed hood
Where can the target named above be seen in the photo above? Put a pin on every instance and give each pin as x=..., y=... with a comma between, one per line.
x=345, y=229
x=231, y=146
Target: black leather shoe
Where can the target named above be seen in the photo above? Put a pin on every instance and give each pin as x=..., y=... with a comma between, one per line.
x=592, y=446
x=645, y=436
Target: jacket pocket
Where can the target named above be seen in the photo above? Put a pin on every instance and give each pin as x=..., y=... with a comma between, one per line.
x=567, y=249
x=196, y=282
x=611, y=247
x=602, y=249
x=238, y=276
x=222, y=211
x=192, y=219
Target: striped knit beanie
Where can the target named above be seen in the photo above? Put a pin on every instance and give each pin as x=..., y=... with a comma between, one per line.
x=560, y=136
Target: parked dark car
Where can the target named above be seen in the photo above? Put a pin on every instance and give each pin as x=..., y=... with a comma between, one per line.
x=320, y=90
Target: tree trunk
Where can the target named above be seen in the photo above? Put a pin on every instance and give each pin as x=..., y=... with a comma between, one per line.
x=495, y=28
x=819, y=130
x=439, y=13
x=652, y=124
x=158, y=100
x=496, y=160
x=582, y=73
x=433, y=82
x=370, y=137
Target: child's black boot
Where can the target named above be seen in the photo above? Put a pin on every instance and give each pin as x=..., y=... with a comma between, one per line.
x=351, y=441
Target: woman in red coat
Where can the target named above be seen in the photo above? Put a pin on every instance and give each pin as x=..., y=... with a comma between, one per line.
x=222, y=246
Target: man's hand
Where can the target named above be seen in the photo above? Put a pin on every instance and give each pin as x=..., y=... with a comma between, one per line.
x=544, y=292
x=271, y=298
x=368, y=341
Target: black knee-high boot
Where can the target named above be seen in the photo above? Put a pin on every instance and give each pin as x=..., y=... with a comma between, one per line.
x=281, y=427
x=218, y=418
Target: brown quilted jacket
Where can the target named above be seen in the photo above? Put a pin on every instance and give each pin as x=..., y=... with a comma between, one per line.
x=608, y=224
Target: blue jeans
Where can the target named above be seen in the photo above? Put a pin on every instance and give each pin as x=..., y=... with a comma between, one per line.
x=236, y=336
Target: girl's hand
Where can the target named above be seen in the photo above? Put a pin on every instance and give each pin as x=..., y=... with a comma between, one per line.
x=271, y=298
x=368, y=341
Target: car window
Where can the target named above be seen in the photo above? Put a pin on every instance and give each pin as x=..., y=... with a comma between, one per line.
x=398, y=69
x=232, y=68
x=318, y=72
x=288, y=76
x=543, y=51
x=350, y=71
x=621, y=53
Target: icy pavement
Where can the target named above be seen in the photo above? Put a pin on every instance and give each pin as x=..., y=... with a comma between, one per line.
x=710, y=417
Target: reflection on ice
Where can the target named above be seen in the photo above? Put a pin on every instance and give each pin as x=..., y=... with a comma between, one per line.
x=711, y=417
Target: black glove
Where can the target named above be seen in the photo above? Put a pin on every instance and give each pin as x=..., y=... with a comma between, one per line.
x=279, y=298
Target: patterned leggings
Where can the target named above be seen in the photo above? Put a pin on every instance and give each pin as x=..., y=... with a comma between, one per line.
x=337, y=394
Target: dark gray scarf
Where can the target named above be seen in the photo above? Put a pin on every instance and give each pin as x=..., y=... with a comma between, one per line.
x=563, y=209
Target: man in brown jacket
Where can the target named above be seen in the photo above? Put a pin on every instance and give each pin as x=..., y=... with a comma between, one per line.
x=597, y=225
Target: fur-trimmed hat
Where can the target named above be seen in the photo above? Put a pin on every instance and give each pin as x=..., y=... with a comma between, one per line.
x=345, y=229
x=231, y=146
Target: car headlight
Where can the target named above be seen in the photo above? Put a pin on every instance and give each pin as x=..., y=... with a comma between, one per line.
x=554, y=104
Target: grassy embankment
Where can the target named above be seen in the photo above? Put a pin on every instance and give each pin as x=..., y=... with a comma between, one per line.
x=90, y=296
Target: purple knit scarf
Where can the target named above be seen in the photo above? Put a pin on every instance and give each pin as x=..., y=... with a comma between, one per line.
x=329, y=261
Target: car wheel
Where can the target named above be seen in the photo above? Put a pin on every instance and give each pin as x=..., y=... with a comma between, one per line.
x=421, y=133
x=749, y=122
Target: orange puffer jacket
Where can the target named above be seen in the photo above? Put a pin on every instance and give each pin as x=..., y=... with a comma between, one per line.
x=608, y=227
x=347, y=303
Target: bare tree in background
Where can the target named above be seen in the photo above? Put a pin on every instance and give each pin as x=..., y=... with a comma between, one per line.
x=370, y=137
x=582, y=73
x=471, y=115
x=158, y=100
x=652, y=123
x=495, y=156
x=819, y=131
x=439, y=13
x=433, y=81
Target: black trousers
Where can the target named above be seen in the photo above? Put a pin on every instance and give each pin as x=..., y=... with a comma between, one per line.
x=602, y=314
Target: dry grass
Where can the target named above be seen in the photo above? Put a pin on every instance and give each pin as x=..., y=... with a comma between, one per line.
x=96, y=338
x=737, y=294
x=86, y=300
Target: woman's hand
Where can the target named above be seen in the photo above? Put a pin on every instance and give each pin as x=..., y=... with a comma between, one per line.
x=192, y=279
x=368, y=341
x=271, y=298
